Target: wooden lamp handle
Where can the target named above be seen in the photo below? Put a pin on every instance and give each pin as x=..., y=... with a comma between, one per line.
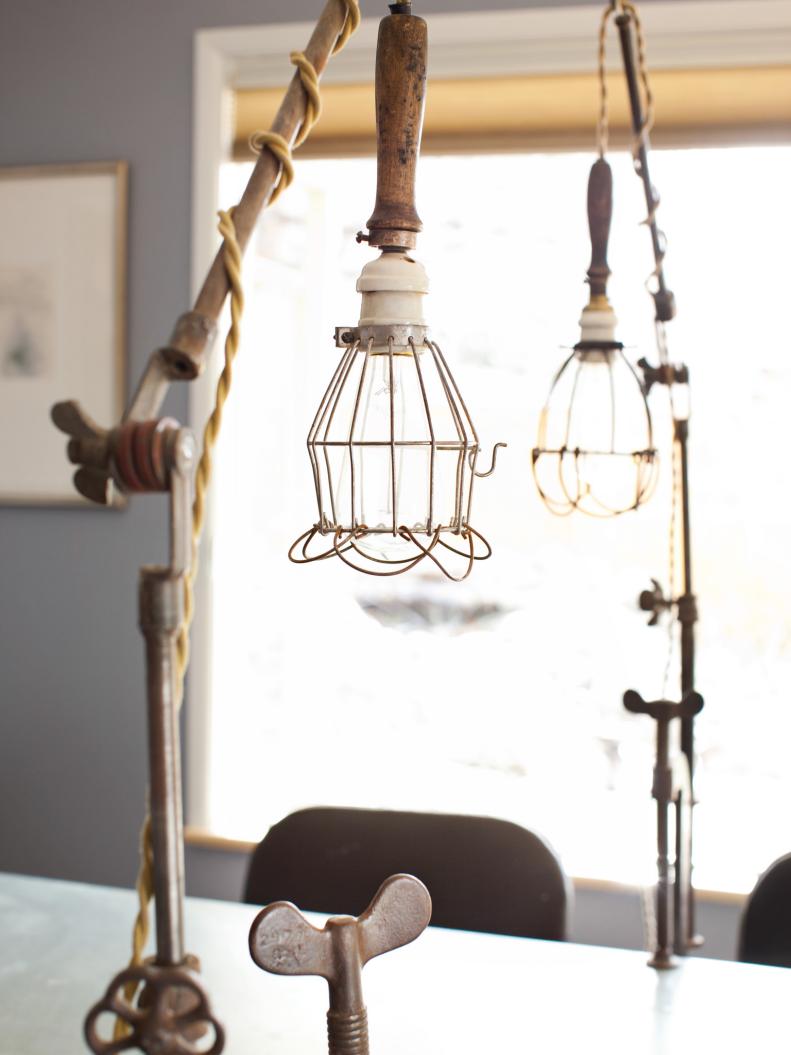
x=599, y=219
x=401, y=53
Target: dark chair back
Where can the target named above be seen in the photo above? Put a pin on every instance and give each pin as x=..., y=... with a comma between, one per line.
x=765, y=935
x=483, y=874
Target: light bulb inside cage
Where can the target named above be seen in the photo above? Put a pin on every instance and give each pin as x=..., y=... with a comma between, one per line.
x=595, y=450
x=393, y=450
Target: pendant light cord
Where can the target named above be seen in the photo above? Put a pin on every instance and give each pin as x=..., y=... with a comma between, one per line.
x=232, y=259
x=603, y=126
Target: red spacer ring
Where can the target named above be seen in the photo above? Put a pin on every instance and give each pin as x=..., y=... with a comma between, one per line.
x=124, y=458
x=156, y=452
x=141, y=453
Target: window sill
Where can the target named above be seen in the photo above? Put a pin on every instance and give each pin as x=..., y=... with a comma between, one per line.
x=206, y=840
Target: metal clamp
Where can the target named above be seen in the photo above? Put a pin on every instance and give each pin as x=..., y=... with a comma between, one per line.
x=133, y=457
x=655, y=602
x=672, y=786
x=402, y=335
x=664, y=374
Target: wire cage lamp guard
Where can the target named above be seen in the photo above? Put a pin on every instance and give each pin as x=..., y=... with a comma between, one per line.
x=441, y=456
x=563, y=470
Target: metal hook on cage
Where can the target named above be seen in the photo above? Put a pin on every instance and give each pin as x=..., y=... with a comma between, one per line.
x=493, y=465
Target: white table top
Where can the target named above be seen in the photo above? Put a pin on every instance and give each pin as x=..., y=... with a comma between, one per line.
x=449, y=992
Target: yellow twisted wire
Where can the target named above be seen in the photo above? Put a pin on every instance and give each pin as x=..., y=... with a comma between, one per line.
x=310, y=82
x=274, y=142
x=232, y=258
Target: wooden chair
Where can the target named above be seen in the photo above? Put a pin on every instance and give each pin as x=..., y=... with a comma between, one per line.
x=483, y=874
x=765, y=933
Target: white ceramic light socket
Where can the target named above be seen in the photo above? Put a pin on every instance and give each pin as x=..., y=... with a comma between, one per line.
x=597, y=325
x=393, y=289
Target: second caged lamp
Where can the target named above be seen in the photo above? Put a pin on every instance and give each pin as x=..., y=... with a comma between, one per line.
x=595, y=450
x=393, y=450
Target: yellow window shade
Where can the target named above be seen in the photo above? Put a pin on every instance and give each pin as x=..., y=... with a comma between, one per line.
x=704, y=106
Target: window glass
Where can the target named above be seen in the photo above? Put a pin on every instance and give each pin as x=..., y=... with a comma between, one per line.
x=502, y=695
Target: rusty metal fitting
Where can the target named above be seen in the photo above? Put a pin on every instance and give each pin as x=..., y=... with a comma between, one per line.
x=172, y=1017
x=663, y=710
x=144, y=453
x=662, y=787
x=401, y=334
x=282, y=941
x=185, y=352
x=654, y=601
x=681, y=429
x=135, y=456
x=392, y=238
x=687, y=608
x=347, y=1034
x=160, y=600
x=664, y=305
x=664, y=374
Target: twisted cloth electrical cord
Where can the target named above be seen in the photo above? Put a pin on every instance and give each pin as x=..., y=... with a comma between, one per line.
x=640, y=140
x=232, y=258
x=603, y=126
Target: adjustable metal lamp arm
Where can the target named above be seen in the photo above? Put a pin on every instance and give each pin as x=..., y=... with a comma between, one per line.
x=183, y=357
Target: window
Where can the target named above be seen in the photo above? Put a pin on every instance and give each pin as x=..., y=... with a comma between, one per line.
x=502, y=695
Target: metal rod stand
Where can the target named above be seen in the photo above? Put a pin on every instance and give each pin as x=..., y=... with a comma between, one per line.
x=671, y=789
x=160, y=605
x=673, y=778
x=680, y=792
x=161, y=1002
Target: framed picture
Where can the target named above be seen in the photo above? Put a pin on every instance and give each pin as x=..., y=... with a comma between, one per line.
x=62, y=316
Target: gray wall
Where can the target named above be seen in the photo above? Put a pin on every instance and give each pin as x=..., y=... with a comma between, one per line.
x=96, y=80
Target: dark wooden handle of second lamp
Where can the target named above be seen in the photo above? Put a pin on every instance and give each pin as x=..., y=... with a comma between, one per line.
x=599, y=219
x=401, y=54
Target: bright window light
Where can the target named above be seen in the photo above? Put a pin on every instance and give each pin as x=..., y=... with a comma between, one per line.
x=502, y=695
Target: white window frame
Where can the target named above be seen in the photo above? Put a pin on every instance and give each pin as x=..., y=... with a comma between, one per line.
x=681, y=34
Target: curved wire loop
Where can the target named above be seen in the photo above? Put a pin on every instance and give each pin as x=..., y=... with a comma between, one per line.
x=492, y=467
x=345, y=545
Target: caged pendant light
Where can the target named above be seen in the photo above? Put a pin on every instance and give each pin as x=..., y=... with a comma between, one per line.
x=595, y=453
x=595, y=450
x=393, y=450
